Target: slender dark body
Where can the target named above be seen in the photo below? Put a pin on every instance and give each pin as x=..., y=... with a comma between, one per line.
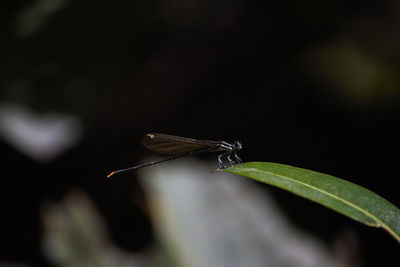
x=178, y=147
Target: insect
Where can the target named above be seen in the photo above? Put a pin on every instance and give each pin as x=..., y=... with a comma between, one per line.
x=177, y=147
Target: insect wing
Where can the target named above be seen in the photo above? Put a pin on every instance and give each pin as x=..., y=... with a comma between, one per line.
x=175, y=145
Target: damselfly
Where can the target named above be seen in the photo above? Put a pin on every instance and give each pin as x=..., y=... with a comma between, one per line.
x=177, y=147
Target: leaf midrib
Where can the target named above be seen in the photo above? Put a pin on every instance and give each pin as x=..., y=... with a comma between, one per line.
x=379, y=222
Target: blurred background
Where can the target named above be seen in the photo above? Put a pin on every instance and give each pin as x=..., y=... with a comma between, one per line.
x=306, y=83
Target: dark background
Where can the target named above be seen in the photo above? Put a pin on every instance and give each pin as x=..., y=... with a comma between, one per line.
x=307, y=83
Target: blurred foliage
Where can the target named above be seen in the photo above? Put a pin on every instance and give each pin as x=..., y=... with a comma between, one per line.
x=355, y=75
x=74, y=235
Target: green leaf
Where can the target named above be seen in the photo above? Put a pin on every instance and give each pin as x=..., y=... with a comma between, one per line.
x=342, y=196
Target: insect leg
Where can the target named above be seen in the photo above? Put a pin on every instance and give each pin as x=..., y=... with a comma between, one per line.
x=232, y=162
x=237, y=158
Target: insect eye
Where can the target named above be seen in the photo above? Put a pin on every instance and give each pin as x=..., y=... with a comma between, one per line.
x=238, y=145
